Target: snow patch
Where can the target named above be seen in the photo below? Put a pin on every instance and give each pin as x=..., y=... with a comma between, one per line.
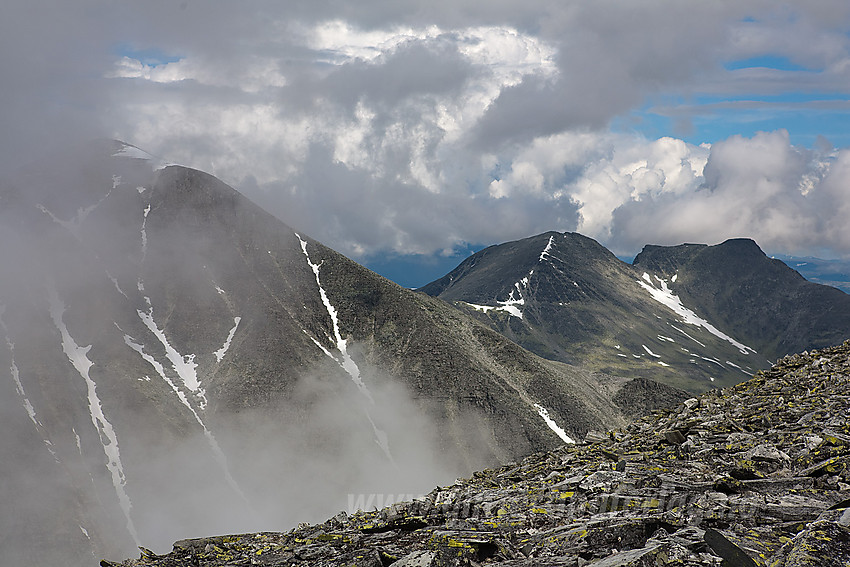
x=184, y=365
x=484, y=308
x=77, y=439
x=515, y=300
x=549, y=246
x=19, y=388
x=714, y=360
x=649, y=352
x=114, y=281
x=382, y=440
x=511, y=306
x=667, y=298
x=75, y=224
x=78, y=356
x=132, y=152
x=344, y=360
x=219, y=354
x=690, y=337
x=544, y=413
x=145, y=232
x=732, y=364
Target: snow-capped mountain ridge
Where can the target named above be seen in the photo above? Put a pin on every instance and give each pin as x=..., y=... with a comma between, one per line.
x=583, y=305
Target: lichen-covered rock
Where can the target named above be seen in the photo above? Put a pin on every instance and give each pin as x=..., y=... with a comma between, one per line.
x=823, y=543
x=756, y=475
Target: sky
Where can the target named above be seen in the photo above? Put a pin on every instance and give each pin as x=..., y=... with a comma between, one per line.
x=408, y=133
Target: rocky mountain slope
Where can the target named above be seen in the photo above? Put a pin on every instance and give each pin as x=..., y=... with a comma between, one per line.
x=171, y=352
x=753, y=475
x=693, y=316
x=773, y=308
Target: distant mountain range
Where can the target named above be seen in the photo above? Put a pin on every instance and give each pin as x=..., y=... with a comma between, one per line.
x=835, y=273
x=693, y=316
x=178, y=361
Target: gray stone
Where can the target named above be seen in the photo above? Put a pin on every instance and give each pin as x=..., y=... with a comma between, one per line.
x=729, y=551
x=417, y=559
x=767, y=452
x=645, y=557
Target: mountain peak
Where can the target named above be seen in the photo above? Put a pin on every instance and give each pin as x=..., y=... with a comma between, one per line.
x=174, y=351
x=676, y=314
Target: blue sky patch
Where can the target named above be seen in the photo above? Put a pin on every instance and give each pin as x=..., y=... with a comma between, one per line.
x=151, y=57
x=416, y=270
x=808, y=118
x=765, y=61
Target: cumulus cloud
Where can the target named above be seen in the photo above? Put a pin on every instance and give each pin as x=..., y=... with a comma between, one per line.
x=761, y=187
x=414, y=127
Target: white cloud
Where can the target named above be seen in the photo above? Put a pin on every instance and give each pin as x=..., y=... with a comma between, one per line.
x=414, y=126
x=339, y=42
x=249, y=76
x=762, y=187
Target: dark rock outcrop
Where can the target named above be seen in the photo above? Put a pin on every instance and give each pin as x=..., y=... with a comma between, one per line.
x=753, y=475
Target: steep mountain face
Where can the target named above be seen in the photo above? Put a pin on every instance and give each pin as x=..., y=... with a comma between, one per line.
x=566, y=297
x=770, y=306
x=749, y=476
x=179, y=361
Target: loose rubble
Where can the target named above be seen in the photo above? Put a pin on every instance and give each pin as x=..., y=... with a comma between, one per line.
x=753, y=475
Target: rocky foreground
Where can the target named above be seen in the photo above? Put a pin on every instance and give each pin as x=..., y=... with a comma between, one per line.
x=754, y=475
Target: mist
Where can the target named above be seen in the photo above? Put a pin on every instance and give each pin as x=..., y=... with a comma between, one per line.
x=304, y=460
x=157, y=387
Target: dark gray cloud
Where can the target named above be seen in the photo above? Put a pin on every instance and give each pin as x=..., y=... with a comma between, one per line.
x=414, y=70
